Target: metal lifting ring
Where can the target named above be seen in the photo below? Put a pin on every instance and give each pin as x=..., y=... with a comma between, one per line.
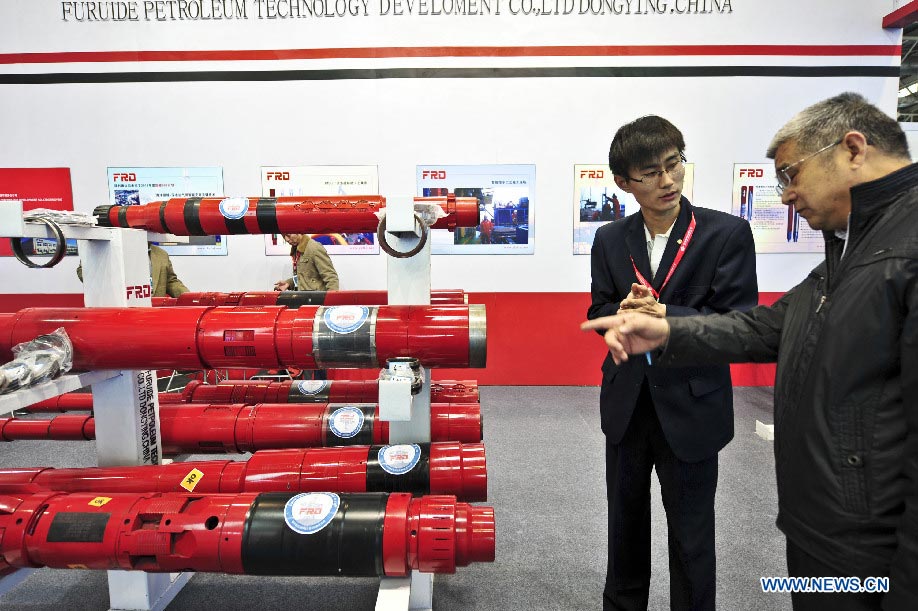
x=381, y=238
x=16, y=244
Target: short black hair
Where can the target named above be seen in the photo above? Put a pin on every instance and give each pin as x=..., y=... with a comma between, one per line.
x=642, y=142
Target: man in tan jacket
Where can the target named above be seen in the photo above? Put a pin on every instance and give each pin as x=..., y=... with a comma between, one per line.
x=164, y=279
x=312, y=265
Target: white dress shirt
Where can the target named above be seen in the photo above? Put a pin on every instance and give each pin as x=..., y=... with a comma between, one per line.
x=656, y=245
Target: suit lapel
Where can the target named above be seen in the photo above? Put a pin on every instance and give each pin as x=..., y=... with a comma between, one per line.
x=673, y=244
x=637, y=245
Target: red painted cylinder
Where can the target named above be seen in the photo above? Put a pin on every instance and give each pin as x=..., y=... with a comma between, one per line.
x=262, y=215
x=295, y=299
x=442, y=468
x=251, y=392
x=196, y=428
x=213, y=337
x=258, y=534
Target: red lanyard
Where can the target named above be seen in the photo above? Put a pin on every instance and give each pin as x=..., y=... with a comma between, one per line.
x=686, y=239
x=296, y=257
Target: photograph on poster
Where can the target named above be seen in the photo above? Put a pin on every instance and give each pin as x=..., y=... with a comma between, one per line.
x=776, y=228
x=37, y=188
x=598, y=200
x=129, y=186
x=291, y=181
x=506, y=196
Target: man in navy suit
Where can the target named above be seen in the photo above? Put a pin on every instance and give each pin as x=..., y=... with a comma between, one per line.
x=669, y=259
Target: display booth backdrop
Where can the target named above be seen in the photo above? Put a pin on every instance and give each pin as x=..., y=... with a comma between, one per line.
x=396, y=90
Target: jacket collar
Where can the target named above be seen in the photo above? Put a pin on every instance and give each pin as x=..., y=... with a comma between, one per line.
x=870, y=199
x=637, y=243
x=675, y=240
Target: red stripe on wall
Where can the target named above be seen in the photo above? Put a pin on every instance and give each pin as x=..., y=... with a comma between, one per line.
x=397, y=52
x=534, y=339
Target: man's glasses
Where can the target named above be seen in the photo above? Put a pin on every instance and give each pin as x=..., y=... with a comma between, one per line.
x=785, y=177
x=675, y=169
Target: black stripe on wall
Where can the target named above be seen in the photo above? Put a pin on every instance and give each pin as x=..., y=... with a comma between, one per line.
x=436, y=73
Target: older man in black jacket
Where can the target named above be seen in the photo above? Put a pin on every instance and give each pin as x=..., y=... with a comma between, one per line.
x=846, y=343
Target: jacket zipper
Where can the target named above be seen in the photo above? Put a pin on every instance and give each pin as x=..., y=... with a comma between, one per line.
x=822, y=300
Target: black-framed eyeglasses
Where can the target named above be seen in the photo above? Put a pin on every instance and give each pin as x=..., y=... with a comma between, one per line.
x=675, y=169
x=785, y=178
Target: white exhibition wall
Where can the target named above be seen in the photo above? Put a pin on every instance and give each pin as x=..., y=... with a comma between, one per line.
x=398, y=123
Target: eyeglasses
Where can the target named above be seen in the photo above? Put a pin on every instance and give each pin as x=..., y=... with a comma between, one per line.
x=675, y=169
x=784, y=176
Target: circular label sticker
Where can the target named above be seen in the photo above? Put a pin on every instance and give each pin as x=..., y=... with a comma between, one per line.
x=310, y=512
x=311, y=387
x=399, y=459
x=345, y=422
x=234, y=207
x=346, y=319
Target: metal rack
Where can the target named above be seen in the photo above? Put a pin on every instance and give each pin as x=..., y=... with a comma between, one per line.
x=125, y=403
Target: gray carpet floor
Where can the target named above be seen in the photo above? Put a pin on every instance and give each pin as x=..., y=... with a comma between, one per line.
x=546, y=484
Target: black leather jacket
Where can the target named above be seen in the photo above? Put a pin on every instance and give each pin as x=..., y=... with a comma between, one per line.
x=846, y=393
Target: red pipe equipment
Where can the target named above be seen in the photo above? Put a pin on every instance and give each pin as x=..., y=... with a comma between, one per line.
x=435, y=468
x=265, y=215
x=251, y=392
x=296, y=299
x=312, y=391
x=313, y=533
x=272, y=337
x=197, y=428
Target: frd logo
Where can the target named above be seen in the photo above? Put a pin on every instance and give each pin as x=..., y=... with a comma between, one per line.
x=125, y=177
x=751, y=172
x=139, y=291
x=592, y=173
x=434, y=174
x=278, y=175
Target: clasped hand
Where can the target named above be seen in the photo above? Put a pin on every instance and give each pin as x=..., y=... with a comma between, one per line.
x=642, y=300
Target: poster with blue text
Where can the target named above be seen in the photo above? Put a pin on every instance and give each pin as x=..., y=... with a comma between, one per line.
x=129, y=186
x=331, y=180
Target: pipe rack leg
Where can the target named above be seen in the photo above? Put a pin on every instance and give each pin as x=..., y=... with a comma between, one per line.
x=414, y=593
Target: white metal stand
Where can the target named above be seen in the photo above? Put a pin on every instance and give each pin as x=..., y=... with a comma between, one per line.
x=125, y=403
x=409, y=284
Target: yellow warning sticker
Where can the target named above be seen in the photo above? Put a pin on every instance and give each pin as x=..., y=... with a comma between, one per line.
x=191, y=480
x=100, y=500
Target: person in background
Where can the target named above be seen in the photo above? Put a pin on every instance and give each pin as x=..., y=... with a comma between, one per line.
x=486, y=227
x=312, y=267
x=165, y=281
x=846, y=343
x=668, y=259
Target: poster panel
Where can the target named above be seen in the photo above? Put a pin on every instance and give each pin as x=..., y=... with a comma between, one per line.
x=37, y=188
x=776, y=228
x=506, y=205
x=284, y=181
x=129, y=186
x=597, y=200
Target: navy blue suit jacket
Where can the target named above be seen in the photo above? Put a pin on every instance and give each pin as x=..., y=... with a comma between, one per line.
x=716, y=274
